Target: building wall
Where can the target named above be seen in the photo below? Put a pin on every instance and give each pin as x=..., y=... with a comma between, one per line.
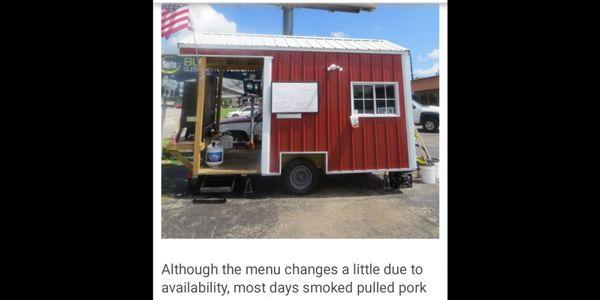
x=424, y=84
x=426, y=90
x=429, y=97
x=379, y=143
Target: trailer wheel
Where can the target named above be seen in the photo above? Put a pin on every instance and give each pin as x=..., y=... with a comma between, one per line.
x=430, y=124
x=300, y=176
x=395, y=181
x=400, y=180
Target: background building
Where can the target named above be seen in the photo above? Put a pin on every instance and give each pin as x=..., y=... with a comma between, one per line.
x=177, y=70
x=426, y=90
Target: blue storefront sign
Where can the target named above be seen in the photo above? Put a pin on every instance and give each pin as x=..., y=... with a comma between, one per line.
x=178, y=69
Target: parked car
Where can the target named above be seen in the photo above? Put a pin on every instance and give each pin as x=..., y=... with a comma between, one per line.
x=427, y=116
x=239, y=127
x=243, y=112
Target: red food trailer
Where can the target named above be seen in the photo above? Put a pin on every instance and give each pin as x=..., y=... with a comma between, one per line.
x=328, y=106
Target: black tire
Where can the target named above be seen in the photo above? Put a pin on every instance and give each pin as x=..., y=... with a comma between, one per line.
x=300, y=176
x=395, y=181
x=430, y=124
x=399, y=180
x=235, y=115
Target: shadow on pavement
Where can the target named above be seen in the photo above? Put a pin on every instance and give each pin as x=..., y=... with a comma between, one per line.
x=174, y=184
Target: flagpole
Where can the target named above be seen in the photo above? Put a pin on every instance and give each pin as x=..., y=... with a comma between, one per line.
x=198, y=80
x=195, y=45
x=197, y=55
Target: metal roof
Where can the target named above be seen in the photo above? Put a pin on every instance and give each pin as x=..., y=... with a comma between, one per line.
x=288, y=43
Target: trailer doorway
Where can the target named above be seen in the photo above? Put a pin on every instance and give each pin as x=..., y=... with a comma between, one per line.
x=222, y=89
x=245, y=127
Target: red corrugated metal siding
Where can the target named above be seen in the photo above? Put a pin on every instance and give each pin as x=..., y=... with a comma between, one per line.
x=379, y=143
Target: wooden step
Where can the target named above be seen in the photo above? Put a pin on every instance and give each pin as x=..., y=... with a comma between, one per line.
x=217, y=185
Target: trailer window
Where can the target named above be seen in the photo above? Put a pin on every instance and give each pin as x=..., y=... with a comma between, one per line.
x=375, y=98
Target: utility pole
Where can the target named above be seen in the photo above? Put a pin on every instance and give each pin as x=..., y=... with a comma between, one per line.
x=288, y=12
x=288, y=19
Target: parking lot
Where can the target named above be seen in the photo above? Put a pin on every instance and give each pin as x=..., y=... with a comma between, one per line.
x=343, y=206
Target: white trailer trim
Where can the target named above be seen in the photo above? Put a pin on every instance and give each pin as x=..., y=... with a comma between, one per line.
x=409, y=169
x=410, y=126
x=265, y=158
x=298, y=49
x=281, y=153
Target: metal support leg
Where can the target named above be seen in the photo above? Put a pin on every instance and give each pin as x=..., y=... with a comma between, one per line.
x=193, y=184
x=406, y=180
x=386, y=182
x=248, y=186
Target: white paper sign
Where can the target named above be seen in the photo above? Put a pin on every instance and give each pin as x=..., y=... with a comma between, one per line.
x=295, y=97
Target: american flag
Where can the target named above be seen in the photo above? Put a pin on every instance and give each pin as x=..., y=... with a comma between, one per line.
x=175, y=17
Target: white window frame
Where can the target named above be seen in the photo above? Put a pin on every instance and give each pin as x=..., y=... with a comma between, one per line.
x=375, y=115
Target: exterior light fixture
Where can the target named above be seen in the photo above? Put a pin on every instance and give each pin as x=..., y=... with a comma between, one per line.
x=334, y=67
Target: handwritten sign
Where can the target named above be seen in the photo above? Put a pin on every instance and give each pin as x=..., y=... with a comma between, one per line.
x=295, y=97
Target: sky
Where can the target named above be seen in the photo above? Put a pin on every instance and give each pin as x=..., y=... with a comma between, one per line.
x=414, y=26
